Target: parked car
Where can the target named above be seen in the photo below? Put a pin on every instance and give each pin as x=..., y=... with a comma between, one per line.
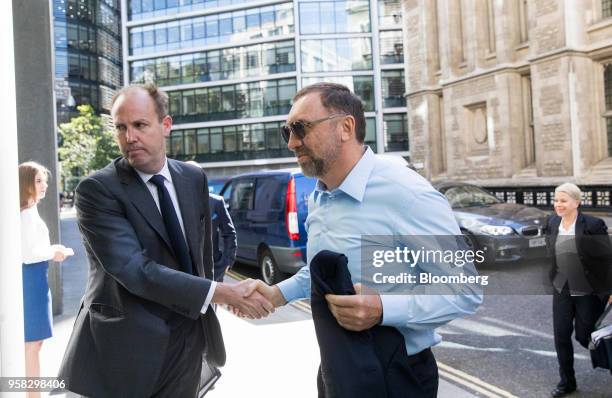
x=507, y=232
x=216, y=184
x=269, y=209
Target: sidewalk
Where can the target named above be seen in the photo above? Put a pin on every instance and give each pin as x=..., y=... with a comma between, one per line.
x=267, y=357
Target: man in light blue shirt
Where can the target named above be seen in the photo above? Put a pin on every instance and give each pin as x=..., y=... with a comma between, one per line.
x=358, y=194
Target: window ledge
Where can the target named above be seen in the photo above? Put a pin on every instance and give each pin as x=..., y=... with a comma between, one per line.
x=522, y=46
x=601, y=24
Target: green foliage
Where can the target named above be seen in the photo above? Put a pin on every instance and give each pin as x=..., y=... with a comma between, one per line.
x=86, y=145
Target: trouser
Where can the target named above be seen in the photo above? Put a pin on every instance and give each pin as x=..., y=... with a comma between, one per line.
x=180, y=374
x=571, y=313
x=422, y=381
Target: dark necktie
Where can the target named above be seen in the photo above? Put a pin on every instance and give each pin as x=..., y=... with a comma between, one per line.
x=173, y=227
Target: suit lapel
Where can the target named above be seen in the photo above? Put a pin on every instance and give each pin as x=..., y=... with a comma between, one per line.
x=187, y=199
x=579, y=229
x=142, y=199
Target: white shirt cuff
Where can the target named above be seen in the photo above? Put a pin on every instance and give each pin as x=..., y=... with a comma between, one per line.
x=209, y=296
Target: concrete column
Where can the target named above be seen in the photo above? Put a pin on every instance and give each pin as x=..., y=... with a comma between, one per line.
x=11, y=302
x=36, y=123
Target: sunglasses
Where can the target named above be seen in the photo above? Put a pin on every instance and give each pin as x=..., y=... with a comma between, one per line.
x=298, y=128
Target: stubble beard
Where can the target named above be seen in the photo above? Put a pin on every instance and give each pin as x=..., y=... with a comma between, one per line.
x=319, y=166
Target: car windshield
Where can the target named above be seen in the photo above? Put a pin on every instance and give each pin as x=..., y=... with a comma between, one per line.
x=469, y=196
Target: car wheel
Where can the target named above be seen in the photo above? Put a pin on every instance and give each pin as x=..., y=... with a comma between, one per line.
x=269, y=270
x=470, y=240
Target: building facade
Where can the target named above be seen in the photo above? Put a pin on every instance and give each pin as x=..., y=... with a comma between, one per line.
x=511, y=93
x=232, y=67
x=88, y=63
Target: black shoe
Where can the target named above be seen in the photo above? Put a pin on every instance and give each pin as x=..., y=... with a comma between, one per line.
x=562, y=390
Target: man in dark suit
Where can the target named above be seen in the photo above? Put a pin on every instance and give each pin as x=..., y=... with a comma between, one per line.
x=223, y=236
x=145, y=320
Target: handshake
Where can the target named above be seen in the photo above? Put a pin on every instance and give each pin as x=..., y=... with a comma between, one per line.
x=249, y=299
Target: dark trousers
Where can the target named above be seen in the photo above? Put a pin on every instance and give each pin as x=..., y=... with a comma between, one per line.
x=571, y=313
x=421, y=371
x=180, y=375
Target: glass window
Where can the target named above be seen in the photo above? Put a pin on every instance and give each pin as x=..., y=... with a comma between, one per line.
x=239, y=21
x=201, y=98
x=608, y=86
x=203, y=143
x=148, y=37
x=174, y=33
x=214, y=64
x=272, y=135
x=177, y=146
x=395, y=132
x=391, y=47
x=286, y=91
x=214, y=101
x=255, y=100
x=330, y=55
x=606, y=8
x=135, y=38
x=225, y=25
x=270, y=97
x=228, y=99
x=161, y=72
x=252, y=19
x=186, y=30
x=216, y=140
x=174, y=99
x=187, y=68
x=190, y=142
x=258, y=141
x=309, y=18
x=199, y=30
x=137, y=72
x=393, y=88
x=174, y=73
x=200, y=67
x=189, y=107
x=390, y=13
x=370, y=136
x=161, y=37
x=229, y=138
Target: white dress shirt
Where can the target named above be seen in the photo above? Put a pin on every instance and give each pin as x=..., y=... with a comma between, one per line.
x=35, y=244
x=165, y=172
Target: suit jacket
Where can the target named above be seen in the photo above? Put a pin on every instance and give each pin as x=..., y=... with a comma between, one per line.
x=369, y=364
x=594, y=250
x=223, y=236
x=135, y=287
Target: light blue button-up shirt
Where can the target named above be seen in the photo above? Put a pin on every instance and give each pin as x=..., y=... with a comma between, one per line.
x=381, y=198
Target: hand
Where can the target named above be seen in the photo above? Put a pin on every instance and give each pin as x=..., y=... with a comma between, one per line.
x=58, y=256
x=610, y=299
x=271, y=293
x=243, y=297
x=358, y=312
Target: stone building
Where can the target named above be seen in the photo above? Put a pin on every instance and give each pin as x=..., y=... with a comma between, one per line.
x=510, y=93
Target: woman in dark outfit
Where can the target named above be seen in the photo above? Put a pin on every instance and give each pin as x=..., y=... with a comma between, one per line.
x=579, y=274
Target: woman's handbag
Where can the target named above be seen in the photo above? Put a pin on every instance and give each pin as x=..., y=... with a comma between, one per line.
x=600, y=346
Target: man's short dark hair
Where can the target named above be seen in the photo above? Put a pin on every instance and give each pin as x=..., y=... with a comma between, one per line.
x=338, y=98
x=160, y=98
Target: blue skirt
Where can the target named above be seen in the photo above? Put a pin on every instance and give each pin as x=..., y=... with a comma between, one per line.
x=37, y=316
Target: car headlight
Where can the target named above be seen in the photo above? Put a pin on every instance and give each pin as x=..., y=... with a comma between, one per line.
x=496, y=230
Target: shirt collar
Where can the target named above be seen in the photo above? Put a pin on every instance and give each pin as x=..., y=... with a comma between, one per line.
x=355, y=182
x=164, y=172
x=571, y=228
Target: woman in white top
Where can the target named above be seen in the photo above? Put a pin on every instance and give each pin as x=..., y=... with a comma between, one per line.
x=580, y=276
x=36, y=251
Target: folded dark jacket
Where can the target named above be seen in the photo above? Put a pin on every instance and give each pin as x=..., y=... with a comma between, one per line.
x=371, y=363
